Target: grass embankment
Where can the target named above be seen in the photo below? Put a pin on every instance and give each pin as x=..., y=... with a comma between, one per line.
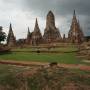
x=67, y=58
x=21, y=78
x=62, y=49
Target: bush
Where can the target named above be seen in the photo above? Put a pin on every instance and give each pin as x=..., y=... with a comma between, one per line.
x=4, y=49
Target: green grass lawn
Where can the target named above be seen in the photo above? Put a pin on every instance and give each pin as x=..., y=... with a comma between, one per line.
x=69, y=58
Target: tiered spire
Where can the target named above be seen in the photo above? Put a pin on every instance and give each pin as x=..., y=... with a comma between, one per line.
x=74, y=20
x=36, y=28
x=36, y=23
x=10, y=30
x=28, y=34
x=36, y=35
x=75, y=34
x=74, y=14
x=28, y=40
x=11, y=40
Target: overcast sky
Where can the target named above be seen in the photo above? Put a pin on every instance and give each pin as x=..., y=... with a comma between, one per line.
x=22, y=13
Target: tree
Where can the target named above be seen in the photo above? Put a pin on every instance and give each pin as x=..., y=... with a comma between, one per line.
x=2, y=35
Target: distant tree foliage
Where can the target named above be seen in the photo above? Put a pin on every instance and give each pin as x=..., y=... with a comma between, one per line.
x=2, y=35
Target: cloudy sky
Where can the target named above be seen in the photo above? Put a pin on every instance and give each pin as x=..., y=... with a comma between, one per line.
x=22, y=13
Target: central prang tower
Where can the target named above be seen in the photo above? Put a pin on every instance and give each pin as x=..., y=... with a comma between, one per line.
x=51, y=33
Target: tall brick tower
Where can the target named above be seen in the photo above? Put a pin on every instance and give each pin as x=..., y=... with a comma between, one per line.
x=75, y=34
x=28, y=39
x=11, y=40
x=36, y=35
x=51, y=33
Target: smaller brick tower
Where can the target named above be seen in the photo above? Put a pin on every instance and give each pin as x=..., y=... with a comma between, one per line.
x=75, y=34
x=11, y=40
x=28, y=39
x=36, y=35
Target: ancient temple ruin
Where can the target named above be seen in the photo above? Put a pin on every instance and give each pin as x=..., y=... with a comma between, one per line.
x=11, y=40
x=75, y=34
x=51, y=33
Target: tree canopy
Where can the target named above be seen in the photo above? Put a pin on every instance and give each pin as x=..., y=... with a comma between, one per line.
x=2, y=34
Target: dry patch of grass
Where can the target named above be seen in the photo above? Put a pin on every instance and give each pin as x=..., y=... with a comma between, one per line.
x=40, y=78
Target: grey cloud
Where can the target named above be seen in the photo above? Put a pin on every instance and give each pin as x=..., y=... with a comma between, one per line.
x=60, y=7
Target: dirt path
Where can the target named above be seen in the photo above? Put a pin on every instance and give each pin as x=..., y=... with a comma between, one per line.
x=28, y=63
